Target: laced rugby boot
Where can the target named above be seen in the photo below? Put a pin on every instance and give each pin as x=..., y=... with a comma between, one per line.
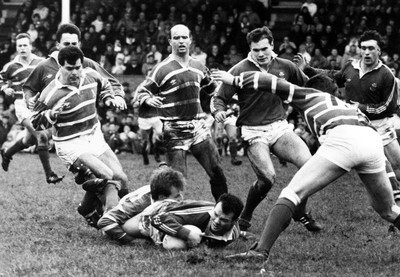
x=5, y=160
x=53, y=178
x=309, y=222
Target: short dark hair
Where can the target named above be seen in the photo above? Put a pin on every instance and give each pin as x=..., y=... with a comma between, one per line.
x=323, y=83
x=67, y=28
x=23, y=35
x=70, y=54
x=231, y=204
x=260, y=33
x=163, y=179
x=371, y=35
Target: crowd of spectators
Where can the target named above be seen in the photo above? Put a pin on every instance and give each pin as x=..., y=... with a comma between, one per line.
x=131, y=37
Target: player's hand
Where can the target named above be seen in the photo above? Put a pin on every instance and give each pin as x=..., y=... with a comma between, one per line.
x=355, y=103
x=9, y=91
x=300, y=61
x=220, y=117
x=155, y=101
x=223, y=76
x=194, y=238
x=120, y=102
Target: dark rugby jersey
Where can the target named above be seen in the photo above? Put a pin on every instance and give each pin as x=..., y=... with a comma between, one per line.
x=375, y=90
x=257, y=109
x=320, y=110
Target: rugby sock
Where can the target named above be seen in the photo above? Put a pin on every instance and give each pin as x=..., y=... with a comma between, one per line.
x=218, y=183
x=300, y=210
x=16, y=147
x=122, y=192
x=43, y=153
x=254, y=198
x=233, y=149
x=393, y=181
x=277, y=221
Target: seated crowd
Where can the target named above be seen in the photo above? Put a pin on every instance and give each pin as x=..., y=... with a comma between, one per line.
x=131, y=37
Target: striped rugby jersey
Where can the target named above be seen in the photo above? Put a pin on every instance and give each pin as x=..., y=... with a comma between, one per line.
x=320, y=110
x=46, y=71
x=15, y=73
x=180, y=86
x=80, y=117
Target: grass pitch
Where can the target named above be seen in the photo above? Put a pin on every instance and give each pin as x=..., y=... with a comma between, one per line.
x=41, y=234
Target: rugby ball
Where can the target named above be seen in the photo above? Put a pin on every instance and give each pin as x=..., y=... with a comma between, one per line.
x=174, y=243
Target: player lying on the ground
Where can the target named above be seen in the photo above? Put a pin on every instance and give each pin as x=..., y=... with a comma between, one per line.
x=348, y=141
x=123, y=222
x=216, y=222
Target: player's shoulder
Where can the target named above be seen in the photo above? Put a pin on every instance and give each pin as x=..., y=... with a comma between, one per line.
x=242, y=66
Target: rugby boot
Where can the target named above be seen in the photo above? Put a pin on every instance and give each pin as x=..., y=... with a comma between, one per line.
x=53, y=178
x=5, y=160
x=309, y=222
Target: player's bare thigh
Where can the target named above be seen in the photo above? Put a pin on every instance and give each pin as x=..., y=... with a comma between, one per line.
x=292, y=148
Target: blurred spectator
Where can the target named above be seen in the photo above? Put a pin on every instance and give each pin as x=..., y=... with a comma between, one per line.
x=335, y=57
x=214, y=57
x=311, y=6
x=41, y=10
x=199, y=54
x=233, y=56
x=33, y=33
x=288, y=54
x=251, y=17
x=98, y=23
x=157, y=54
x=350, y=55
x=126, y=21
x=318, y=60
x=5, y=53
x=149, y=64
x=296, y=35
x=286, y=42
x=119, y=67
x=310, y=45
x=22, y=23
x=303, y=51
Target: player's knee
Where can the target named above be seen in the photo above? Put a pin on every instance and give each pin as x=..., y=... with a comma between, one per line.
x=266, y=177
x=42, y=139
x=262, y=187
x=291, y=195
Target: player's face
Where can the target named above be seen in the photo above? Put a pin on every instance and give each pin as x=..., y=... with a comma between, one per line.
x=68, y=40
x=370, y=52
x=261, y=51
x=220, y=222
x=24, y=47
x=175, y=194
x=180, y=40
x=71, y=73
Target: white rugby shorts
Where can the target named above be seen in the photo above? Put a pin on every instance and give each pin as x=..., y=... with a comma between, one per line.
x=267, y=134
x=70, y=150
x=350, y=146
x=385, y=129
